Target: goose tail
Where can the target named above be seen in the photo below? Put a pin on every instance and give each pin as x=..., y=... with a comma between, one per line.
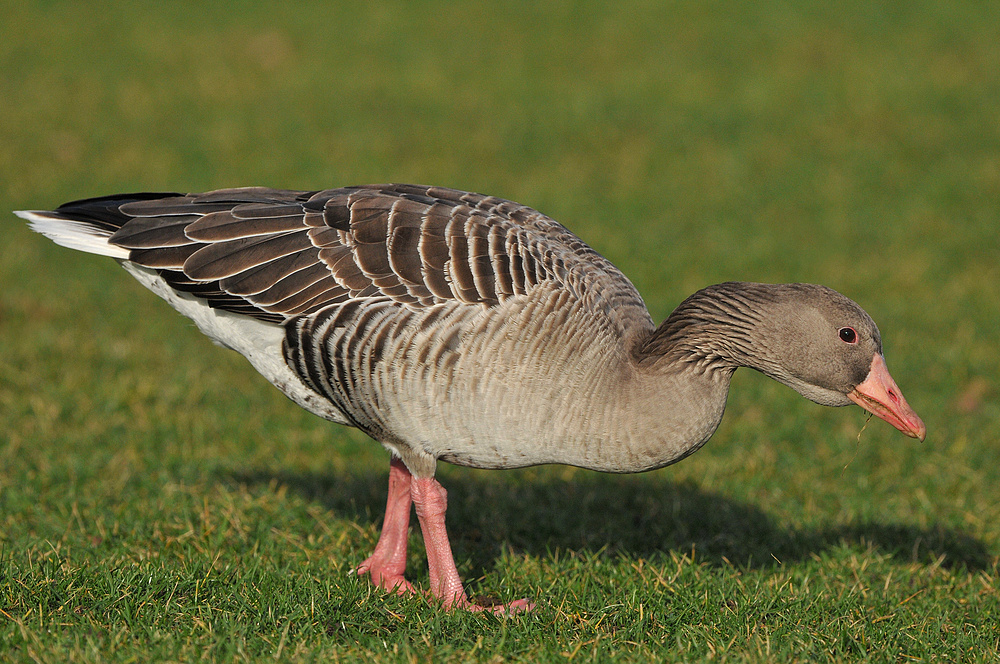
x=79, y=234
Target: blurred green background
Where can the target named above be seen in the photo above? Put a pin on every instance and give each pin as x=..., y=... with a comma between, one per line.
x=854, y=144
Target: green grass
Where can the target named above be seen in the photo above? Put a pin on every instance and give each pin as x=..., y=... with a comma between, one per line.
x=160, y=502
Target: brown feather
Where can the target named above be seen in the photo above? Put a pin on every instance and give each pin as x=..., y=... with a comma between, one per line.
x=225, y=259
x=261, y=277
x=153, y=232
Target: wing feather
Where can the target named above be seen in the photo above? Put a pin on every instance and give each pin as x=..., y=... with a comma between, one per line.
x=219, y=260
x=259, y=279
x=229, y=225
x=294, y=283
x=155, y=232
x=277, y=254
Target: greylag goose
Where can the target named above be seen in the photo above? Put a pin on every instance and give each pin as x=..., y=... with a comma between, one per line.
x=470, y=329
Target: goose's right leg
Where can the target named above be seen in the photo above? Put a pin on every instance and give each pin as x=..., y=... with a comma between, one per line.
x=431, y=502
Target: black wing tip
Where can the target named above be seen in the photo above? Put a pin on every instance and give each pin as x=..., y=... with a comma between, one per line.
x=104, y=211
x=116, y=199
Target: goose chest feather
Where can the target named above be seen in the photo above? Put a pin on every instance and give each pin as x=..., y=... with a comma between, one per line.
x=470, y=329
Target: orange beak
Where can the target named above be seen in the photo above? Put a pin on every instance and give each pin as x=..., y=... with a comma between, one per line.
x=879, y=395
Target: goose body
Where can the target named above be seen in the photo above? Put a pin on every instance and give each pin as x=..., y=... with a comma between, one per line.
x=470, y=329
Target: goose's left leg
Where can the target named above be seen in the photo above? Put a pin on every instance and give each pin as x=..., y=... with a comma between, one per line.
x=388, y=562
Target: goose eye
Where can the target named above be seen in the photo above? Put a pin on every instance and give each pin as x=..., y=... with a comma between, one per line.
x=848, y=335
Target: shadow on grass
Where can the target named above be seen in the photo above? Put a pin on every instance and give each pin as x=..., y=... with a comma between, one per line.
x=536, y=511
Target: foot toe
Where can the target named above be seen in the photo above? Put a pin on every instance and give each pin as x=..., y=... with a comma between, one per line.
x=392, y=582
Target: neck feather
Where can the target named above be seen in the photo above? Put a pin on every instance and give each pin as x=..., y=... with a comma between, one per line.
x=714, y=329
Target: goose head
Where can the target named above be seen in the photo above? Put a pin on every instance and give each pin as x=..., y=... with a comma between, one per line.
x=809, y=337
x=831, y=353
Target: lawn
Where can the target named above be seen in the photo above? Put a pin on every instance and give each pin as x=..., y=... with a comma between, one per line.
x=161, y=502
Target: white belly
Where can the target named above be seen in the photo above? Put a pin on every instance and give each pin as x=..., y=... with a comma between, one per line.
x=258, y=341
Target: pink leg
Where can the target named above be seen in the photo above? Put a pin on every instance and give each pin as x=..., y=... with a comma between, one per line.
x=431, y=502
x=388, y=562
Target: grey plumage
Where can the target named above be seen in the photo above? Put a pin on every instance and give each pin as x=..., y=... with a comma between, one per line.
x=405, y=302
x=351, y=273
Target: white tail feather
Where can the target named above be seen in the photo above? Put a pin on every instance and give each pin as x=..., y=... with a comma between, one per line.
x=73, y=234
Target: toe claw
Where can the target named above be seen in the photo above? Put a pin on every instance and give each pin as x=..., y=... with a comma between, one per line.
x=484, y=604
